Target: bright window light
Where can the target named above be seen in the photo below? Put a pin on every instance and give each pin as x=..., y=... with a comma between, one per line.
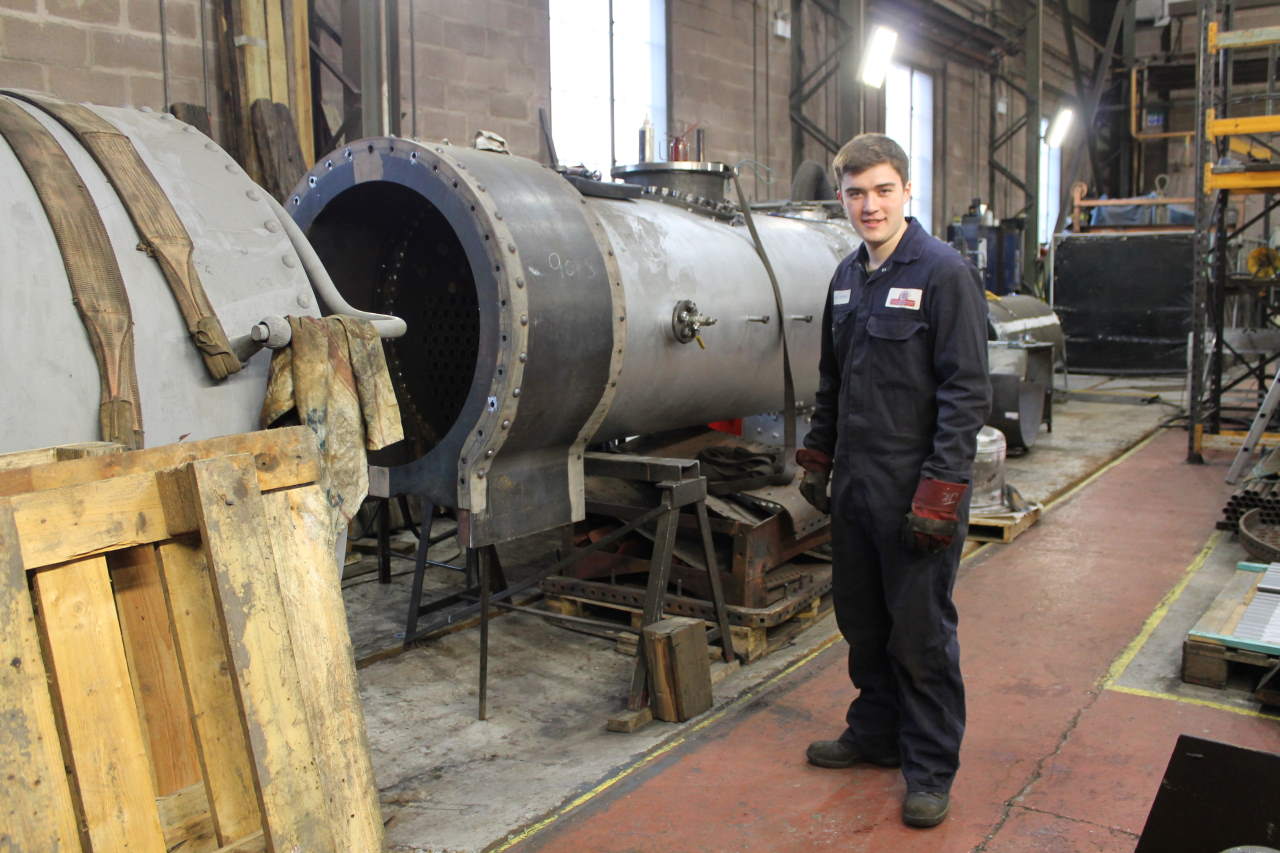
x=1058, y=130
x=876, y=56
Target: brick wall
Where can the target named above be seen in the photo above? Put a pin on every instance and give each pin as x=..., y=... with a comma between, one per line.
x=730, y=76
x=476, y=66
x=104, y=51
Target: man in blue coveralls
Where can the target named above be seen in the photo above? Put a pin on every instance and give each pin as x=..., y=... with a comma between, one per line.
x=902, y=394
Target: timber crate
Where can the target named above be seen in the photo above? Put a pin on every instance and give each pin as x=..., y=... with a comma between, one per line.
x=1230, y=635
x=1002, y=527
x=756, y=631
x=155, y=698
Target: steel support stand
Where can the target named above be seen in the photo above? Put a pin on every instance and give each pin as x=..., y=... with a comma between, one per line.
x=1033, y=43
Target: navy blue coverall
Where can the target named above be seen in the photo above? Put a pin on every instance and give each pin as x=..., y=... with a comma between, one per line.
x=902, y=394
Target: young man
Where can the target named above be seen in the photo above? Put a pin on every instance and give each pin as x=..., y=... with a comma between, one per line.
x=902, y=394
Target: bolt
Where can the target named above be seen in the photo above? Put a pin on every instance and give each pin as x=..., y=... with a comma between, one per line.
x=488, y=454
x=515, y=393
x=506, y=423
x=252, y=195
x=519, y=282
x=524, y=356
x=524, y=319
x=511, y=247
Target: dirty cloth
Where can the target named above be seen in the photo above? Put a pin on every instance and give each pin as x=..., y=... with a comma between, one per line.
x=333, y=377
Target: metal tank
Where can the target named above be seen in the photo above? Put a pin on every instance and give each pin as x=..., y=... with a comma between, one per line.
x=252, y=260
x=546, y=313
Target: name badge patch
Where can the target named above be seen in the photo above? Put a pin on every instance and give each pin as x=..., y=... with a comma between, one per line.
x=904, y=297
x=840, y=297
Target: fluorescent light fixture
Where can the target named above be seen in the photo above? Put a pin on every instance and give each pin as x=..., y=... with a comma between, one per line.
x=1059, y=127
x=876, y=56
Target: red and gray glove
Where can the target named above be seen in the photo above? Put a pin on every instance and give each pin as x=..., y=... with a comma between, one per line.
x=817, y=473
x=933, y=521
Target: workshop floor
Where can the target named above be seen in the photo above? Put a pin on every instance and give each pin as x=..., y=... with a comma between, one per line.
x=1070, y=637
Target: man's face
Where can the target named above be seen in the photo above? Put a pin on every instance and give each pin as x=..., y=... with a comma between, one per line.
x=875, y=200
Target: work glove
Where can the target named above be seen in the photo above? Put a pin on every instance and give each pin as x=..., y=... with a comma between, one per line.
x=932, y=522
x=817, y=473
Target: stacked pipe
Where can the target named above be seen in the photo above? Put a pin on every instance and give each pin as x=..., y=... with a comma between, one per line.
x=1263, y=494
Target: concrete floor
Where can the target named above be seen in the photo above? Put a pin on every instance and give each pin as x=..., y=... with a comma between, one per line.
x=1043, y=620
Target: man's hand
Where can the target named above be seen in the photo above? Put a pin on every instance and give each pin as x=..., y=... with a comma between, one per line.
x=933, y=522
x=817, y=473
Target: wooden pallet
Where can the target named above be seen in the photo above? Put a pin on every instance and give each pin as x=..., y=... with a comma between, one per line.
x=155, y=696
x=1209, y=651
x=1003, y=528
x=750, y=642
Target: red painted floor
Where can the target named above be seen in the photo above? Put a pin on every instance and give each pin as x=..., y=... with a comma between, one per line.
x=1050, y=762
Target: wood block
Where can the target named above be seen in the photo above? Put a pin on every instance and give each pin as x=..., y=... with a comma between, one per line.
x=221, y=738
x=750, y=643
x=628, y=721
x=186, y=821
x=153, y=666
x=36, y=810
x=303, y=536
x=83, y=646
x=236, y=539
x=679, y=668
x=1204, y=663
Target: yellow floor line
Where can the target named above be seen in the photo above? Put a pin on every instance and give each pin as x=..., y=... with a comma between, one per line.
x=664, y=748
x=1143, y=442
x=1126, y=657
x=1187, y=700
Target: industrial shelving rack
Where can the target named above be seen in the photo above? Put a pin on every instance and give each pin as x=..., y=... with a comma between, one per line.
x=1218, y=130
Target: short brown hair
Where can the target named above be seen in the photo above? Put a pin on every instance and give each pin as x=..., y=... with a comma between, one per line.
x=867, y=150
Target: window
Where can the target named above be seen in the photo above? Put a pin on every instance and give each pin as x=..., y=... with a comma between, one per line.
x=908, y=120
x=1050, y=185
x=583, y=110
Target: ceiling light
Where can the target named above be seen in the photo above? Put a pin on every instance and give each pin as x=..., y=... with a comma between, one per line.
x=1058, y=129
x=876, y=56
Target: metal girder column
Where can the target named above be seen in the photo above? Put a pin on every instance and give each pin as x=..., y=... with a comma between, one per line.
x=1033, y=42
x=850, y=120
x=364, y=62
x=1201, y=270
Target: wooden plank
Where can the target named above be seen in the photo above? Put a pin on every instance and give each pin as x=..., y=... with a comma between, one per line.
x=253, y=49
x=186, y=822
x=278, y=152
x=37, y=812
x=221, y=738
x=236, y=540
x=300, y=56
x=60, y=525
x=57, y=453
x=153, y=668
x=278, y=55
x=81, y=637
x=1212, y=623
x=303, y=528
x=283, y=458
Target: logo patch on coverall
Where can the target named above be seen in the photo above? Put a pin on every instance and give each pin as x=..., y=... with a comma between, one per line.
x=839, y=297
x=904, y=297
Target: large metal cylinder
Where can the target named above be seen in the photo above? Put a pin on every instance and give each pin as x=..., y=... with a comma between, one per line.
x=49, y=387
x=543, y=316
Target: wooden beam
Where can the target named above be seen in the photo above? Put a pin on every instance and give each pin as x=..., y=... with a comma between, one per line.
x=81, y=635
x=37, y=811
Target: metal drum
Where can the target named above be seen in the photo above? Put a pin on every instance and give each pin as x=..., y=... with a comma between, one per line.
x=988, y=473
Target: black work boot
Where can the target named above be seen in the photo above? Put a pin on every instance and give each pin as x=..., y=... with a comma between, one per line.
x=838, y=754
x=924, y=809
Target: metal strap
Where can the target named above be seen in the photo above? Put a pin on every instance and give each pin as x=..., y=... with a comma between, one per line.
x=163, y=235
x=788, y=384
x=96, y=285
